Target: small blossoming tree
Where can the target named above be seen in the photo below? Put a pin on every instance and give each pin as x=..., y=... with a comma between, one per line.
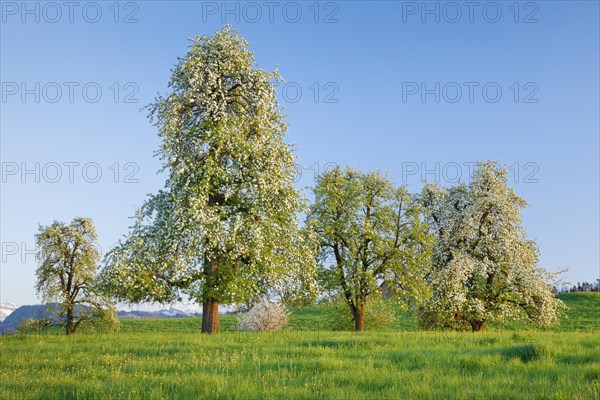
x=225, y=227
x=66, y=277
x=483, y=266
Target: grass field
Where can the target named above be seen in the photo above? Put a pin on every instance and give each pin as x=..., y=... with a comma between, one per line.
x=169, y=358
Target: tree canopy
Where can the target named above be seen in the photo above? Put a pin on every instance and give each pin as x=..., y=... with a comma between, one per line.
x=225, y=227
x=68, y=257
x=483, y=266
x=371, y=233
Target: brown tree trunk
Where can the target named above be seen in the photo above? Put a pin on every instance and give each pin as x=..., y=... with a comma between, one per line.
x=359, y=318
x=210, y=316
x=69, y=325
x=477, y=326
x=210, y=305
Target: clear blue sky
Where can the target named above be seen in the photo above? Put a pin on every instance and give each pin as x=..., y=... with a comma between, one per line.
x=372, y=57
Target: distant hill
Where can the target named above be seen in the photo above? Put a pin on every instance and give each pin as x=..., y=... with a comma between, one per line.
x=170, y=313
x=38, y=311
x=583, y=312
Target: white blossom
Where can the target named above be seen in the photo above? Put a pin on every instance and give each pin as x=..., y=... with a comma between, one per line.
x=225, y=227
x=483, y=266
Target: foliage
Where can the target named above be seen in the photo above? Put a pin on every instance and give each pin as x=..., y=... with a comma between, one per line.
x=105, y=320
x=370, y=232
x=379, y=314
x=67, y=258
x=298, y=286
x=31, y=325
x=483, y=266
x=583, y=287
x=264, y=316
x=225, y=227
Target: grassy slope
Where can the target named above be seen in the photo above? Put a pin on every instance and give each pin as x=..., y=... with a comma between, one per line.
x=583, y=312
x=156, y=359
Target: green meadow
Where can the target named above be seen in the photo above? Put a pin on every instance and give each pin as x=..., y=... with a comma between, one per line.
x=170, y=359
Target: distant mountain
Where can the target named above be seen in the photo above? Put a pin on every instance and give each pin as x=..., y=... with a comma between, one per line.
x=170, y=313
x=6, y=309
x=38, y=311
x=14, y=314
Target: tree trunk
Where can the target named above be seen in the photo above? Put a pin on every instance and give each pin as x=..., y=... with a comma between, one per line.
x=210, y=316
x=359, y=318
x=69, y=325
x=210, y=305
x=477, y=326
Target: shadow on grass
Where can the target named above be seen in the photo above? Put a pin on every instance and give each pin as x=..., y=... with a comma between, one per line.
x=527, y=353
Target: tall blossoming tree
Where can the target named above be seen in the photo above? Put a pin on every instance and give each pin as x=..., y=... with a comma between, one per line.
x=483, y=266
x=225, y=227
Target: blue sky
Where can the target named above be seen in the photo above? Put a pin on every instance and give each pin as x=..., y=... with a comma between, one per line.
x=355, y=73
